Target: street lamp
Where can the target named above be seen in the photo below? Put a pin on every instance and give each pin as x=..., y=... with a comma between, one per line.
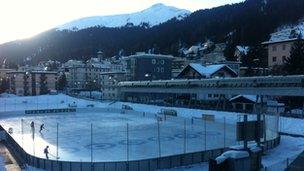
x=148, y=76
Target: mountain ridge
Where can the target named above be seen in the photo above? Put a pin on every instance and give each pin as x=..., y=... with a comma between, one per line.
x=154, y=15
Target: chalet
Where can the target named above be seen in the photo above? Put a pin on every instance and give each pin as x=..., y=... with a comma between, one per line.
x=199, y=71
x=244, y=102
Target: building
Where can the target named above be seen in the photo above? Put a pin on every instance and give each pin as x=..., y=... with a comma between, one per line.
x=31, y=83
x=244, y=102
x=144, y=66
x=3, y=73
x=199, y=71
x=4, y=79
x=75, y=72
x=109, y=81
x=279, y=45
x=234, y=65
x=178, y=64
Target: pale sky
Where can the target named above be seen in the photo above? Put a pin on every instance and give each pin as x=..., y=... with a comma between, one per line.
x=25, y=18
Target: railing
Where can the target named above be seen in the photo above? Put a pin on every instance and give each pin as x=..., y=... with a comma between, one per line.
x=277, y=81
x=24, y=158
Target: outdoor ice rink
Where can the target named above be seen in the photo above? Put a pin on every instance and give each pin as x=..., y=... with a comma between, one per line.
x=110, y=139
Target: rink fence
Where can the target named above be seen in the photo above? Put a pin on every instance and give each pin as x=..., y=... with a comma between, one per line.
x=164, y=162
x=24, y=158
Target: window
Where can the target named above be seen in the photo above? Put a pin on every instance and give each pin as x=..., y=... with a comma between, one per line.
x=162, y=62
x=284, y=47
x=284, y=59
x=153, y=61
x=274, y=48
x=274, y=59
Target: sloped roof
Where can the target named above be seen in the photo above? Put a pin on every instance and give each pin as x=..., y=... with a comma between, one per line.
x=285, y=35
x=209, y=69
x=248, y=97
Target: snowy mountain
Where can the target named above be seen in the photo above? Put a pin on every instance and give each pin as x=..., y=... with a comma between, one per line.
x=156, y=14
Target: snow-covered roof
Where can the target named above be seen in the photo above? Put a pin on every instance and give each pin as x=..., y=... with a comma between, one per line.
x=286, y=34
x=209, y=69
x=248, y=97
x=146, y=55
x=243, y=49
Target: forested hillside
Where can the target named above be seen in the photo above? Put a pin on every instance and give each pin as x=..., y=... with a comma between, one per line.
x=246, y=23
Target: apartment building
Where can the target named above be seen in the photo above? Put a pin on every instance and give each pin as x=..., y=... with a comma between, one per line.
x=280, y=45
x=31, y=83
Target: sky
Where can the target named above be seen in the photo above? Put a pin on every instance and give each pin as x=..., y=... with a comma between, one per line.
x=25, y=18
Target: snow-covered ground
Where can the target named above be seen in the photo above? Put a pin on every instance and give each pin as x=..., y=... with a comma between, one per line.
x=274, y=160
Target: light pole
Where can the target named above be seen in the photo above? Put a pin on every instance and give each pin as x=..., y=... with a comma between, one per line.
x=148, y=76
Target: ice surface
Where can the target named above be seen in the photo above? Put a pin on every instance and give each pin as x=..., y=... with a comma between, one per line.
x=109, y=129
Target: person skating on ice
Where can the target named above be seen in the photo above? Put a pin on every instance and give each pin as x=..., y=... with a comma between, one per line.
x=46, y=152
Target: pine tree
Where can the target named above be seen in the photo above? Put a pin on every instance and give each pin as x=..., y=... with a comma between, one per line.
x=295, y=63
x=62, y=82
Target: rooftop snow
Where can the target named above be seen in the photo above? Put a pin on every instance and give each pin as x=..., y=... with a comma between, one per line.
x=207, y=70
x=289, y=33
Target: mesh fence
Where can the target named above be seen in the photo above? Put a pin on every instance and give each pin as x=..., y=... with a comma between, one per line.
x=114, y=135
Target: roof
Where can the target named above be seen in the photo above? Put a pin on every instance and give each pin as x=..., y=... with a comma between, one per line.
x=209, y=69
x=149, y=56
x=117, y=72
x=285, y=35
x=243, y=49
x=248, y=97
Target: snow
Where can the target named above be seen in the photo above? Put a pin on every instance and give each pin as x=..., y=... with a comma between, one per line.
x=235, y=154
x=289, y=147
x=158, y=13
x=206, y=70
x=109, y=129
x=274, y=160
x=220, y=159
x=249, y=97
x=116, y=122
x=243, y=49
x=285, y=33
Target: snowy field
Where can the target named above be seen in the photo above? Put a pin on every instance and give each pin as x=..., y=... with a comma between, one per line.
x=273, y=160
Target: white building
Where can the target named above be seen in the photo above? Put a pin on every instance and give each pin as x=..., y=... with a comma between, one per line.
x=109, y=81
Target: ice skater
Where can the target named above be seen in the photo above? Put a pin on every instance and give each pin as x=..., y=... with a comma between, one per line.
x=46, y=152
x=32, y=125
x=33, y=129
x=41, y=128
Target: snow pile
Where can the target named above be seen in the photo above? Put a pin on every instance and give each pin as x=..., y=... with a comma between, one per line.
x=7, y=95
x=158, y=13
x=231, y=154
